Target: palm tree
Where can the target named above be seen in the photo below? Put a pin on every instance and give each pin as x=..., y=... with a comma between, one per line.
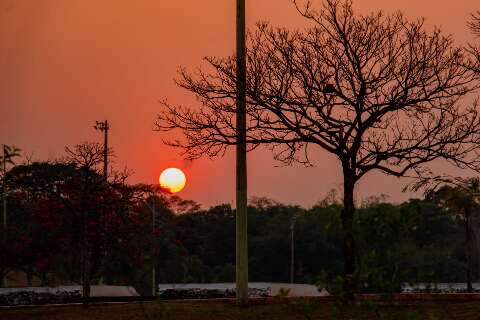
x=462, y=197
x=9, y=153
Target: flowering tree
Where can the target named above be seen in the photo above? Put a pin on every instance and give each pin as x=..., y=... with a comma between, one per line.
x=71, y=209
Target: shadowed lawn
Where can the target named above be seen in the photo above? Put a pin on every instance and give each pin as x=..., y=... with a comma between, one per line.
x=213, y=311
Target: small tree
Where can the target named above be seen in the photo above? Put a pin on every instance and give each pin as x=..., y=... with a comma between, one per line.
x=69, y=199
x=49, y=227
x=87, y=158
x=379, y=92
x=462, y=197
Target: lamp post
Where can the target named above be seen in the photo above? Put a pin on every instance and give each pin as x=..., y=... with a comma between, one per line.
x=292, y=249
x=241, y=161
x=154, y=273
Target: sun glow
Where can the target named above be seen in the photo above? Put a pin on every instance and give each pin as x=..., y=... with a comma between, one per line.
x=173, y=180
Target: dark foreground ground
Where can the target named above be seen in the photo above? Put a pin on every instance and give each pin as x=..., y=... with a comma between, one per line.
x=216, y=310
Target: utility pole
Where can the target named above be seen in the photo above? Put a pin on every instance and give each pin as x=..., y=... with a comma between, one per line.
x=103, y=126
x=241, y=164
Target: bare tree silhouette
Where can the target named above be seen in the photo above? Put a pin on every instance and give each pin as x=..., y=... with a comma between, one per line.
x=473, y=49
x=474, y=23
x=378, y=91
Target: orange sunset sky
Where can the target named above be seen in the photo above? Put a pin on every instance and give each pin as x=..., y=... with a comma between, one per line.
x=66, y=63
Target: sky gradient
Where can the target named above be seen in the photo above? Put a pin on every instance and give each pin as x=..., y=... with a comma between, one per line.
x=65, y=64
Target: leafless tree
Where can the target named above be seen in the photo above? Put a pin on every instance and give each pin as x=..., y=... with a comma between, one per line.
x=378, y=91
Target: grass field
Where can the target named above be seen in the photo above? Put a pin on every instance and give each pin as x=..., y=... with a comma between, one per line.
x=213, y=311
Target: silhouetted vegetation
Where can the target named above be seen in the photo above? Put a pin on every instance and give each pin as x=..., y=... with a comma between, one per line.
x=380, y=92
x=421, y=240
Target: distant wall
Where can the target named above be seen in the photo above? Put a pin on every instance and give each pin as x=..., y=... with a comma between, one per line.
x=95, y=291
x=272, y=289
x=454, y=287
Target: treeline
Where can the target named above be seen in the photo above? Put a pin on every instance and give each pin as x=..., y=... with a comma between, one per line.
x=416, y=241
x=66, y=223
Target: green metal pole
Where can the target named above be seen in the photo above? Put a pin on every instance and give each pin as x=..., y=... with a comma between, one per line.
x=241, y=168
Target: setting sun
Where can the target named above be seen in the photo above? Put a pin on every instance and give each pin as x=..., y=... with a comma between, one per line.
x=173, y=180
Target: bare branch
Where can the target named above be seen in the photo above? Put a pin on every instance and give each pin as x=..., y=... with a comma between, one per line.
x=474, y=23
x=378, y=91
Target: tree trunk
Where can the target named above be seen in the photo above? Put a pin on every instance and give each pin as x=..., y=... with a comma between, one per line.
x=348, y=234
x=468, y=250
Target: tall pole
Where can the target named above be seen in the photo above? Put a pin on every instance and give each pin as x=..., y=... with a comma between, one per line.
x=154, y=280
x=241, y=165
x=103, y=126
x=4, y=222
x=292, y=250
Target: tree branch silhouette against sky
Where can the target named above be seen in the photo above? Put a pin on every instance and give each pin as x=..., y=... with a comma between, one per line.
x=66, y=64
x=379, y=92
